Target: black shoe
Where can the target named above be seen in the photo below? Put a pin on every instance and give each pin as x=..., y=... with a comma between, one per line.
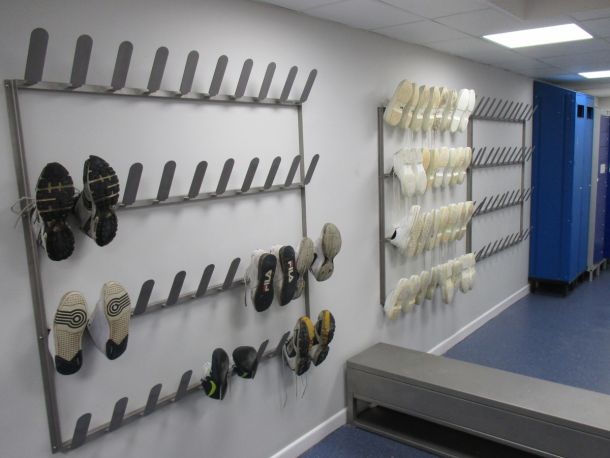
x=324, y=333
x=245, y=362
x=54, y=201
x=215, y=377
x=94, y=206
x=259, y=279
x=287, y=275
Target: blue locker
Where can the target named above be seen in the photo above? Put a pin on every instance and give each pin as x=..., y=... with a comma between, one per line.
x=600, y=250
x=561, y=182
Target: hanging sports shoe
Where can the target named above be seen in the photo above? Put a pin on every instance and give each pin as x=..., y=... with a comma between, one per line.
x=327, y=247
x=286, y=274
x=65, y=340
x=94, y=206
x=297, y=347
x=54, y=202
x=109, y=323
x=259, y=279
x=245, y=362
x=324, y=333
x=216, y=374
x=304, y=261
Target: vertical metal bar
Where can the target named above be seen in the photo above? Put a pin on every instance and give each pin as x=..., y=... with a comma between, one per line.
x=381, y=193
x=31, y=248
x=469, y=170
x=522, y=204
x=303, y=198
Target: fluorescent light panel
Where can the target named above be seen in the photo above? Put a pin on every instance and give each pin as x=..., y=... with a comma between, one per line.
x=600, y=74
x=540, y=36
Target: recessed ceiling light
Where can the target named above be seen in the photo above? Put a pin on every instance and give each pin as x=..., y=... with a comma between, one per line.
x=540, y=36
x=600, y=74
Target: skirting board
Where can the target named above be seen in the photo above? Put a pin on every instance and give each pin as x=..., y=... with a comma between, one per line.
x=464, y=332
x=308, y=440
x=311, y=438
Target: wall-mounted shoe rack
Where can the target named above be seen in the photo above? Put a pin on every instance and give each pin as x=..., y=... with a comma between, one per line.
x=33, y=81
x=490, y=109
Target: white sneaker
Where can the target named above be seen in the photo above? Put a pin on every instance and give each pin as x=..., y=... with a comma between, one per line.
x=451, y=164
x=444, y=221
x=404, y=171
x=468, y=212
x=456, y=271
x=459, y=161
x=304, y=260
x=427, y=228
x=421, y=178
x=66, y=337
x=438, y=117
x=453, y=215
x=460, y=108
x=441, y=161
x=402, y=95
x=435, y=275
x=259, y=279
x=431, y=109
x=446, y=282
x=461, y=216
x=468, y=272
x=449, y=109
x=472, y=100
x=436, y=224
x=402, y=231
x=422, y=104
x=286, y=274
x=109, y=323
x=465, y=164
x=412, y=290
x=424, y=281
x=393, y=303
x=409, y=109
x=327, y=247
x=415, y=234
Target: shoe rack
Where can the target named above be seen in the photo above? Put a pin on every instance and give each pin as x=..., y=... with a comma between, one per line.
x=494, y=110
x=77, y=85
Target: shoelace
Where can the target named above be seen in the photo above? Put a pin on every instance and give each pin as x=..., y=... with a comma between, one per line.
x=27, y=203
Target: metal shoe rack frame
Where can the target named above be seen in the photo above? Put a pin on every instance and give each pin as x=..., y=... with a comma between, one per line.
x=486, y=109
x=490, y=109
x=33, y=82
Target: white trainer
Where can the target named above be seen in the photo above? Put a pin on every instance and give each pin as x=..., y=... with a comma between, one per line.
x=431, y=109
x=327, y=247
x=401, y=97
x=66, y=336
x=409, y=109
x=428, y=226
x=472, y=100
x=446, y=282
x=109, y=322
x=398, y=296
x=424, y=282
x=412, y=289
x=414, y=234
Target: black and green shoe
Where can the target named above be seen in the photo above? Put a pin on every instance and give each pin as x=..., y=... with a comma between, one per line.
x=245, y=362
x=215, y=376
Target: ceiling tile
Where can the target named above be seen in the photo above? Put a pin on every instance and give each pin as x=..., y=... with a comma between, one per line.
x=471, y=48
x=438, y=8
x=565, y=49
x=483, y=22
x=300, y=5
x=581, y=62
x=364, y=14
x=591, y=14
x=422, y=32
x=597, y=27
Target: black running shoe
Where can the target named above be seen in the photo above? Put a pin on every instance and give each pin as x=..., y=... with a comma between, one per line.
x=94, y=206
x=259, y=279
x=54, y=201
x=245, y=362
x=297, y=347
x=324, y=333
x=215, y=376
x=287, y=275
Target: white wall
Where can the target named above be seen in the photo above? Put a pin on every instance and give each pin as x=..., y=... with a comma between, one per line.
x=357, y=72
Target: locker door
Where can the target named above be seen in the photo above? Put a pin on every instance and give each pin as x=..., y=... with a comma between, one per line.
x=602, y=189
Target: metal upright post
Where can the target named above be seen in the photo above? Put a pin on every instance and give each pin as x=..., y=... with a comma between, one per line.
x=303, y=199
x=23, y=185
x=469, y=142
x=523, y=128
x=380, y=184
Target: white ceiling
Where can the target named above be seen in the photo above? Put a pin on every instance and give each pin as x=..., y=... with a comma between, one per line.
x=456, y=27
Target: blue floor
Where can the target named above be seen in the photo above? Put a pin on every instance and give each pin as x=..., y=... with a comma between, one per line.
x=561, y=339
x=351, y=442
